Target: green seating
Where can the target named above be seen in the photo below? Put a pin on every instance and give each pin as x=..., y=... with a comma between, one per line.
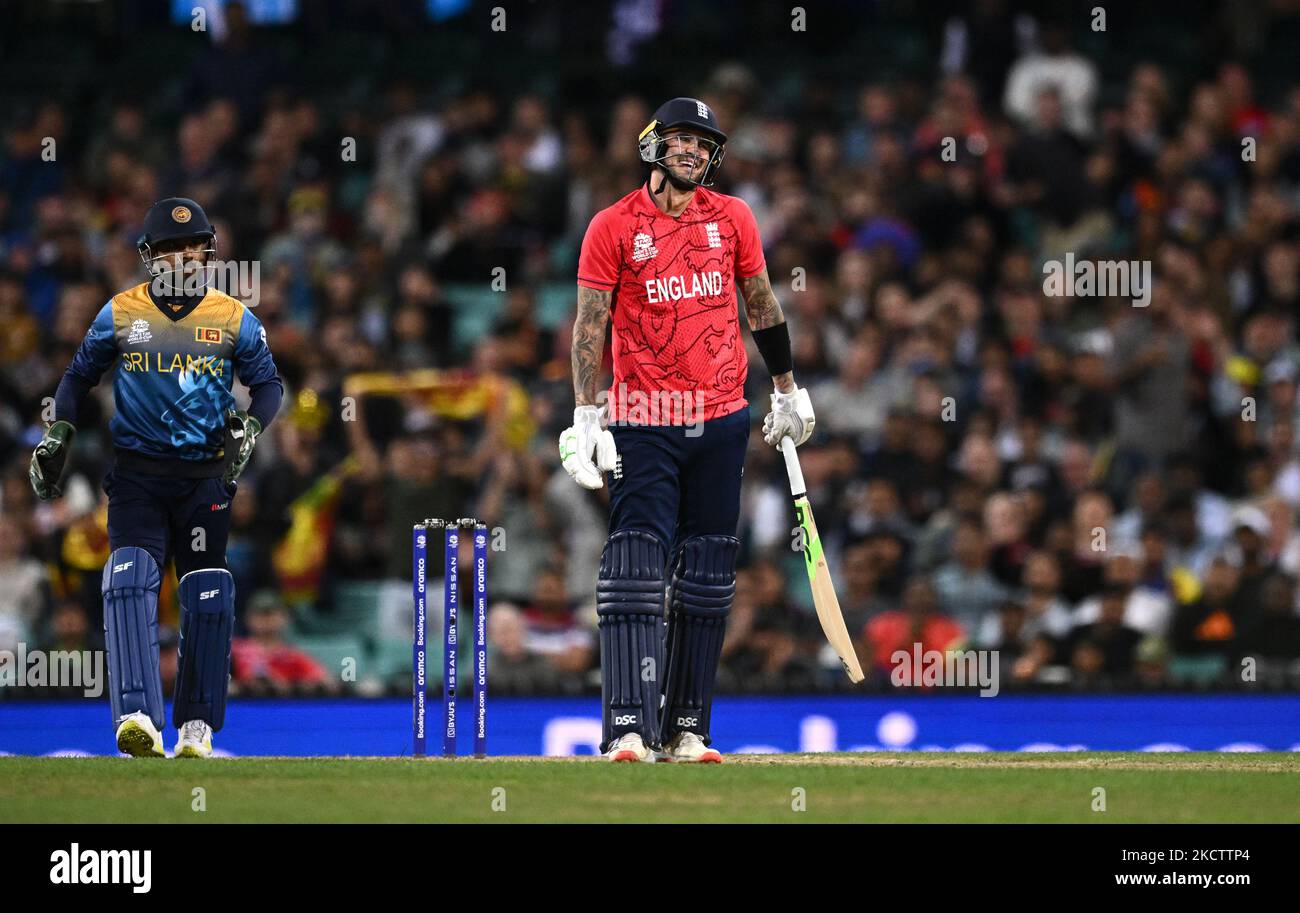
x=331, y=651
x=477, y=307
x=355, y=611
x=1197, y=670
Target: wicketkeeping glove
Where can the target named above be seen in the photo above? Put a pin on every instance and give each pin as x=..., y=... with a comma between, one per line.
x=791, y=416
x=49, y=459
x=580, y=440
x=244, y=430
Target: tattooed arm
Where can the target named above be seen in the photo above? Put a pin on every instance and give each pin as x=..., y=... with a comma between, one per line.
x=792, y=411
x=586, y=438
x=764, y=313
x=761, y=306
x=589, y=343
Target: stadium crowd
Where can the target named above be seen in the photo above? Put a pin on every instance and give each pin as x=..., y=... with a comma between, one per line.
x=1105, y=493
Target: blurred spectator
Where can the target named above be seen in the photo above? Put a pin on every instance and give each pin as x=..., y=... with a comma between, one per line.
x=761, y=649
x=1148, y=500
x=247, y=549
x=237, y=66
x=1067, y=73
x=965, y=586
x=22, y=586
x=1150, y=364
x=1145, y=610
x=554, y=630
x=264, y=663
x=1189, y=547
x=1250, y=536
x=1045, y=168
x=70, y=629
x=1272, y=638
x=1105, y=651
x=1204, y=631
x=1023, y=646
x=516, y=669
x=860, y=600
x=918, y=621
x=1044, y=615
x=855, y=403
x=514, y=501
x=168, y=657
x=1006, y=522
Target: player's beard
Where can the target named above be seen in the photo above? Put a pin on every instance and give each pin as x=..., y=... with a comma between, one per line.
x=679, y=183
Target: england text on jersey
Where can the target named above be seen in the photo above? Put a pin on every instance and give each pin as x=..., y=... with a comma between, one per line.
x=676, y=288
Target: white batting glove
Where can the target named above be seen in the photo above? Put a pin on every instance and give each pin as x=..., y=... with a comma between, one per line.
x=580, y=440
x=791, y=416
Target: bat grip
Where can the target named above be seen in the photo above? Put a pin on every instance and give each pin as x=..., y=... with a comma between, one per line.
x=792, y=468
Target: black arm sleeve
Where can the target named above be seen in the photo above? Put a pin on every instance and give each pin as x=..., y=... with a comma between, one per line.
x=774, y=345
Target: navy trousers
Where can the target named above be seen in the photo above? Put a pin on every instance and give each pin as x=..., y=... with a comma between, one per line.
x=676, y=485
x=187, y=520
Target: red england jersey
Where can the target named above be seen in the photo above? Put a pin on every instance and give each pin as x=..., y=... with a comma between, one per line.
x=676, y=328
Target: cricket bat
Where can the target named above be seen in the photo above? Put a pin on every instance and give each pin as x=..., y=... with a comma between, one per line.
x=819, y=575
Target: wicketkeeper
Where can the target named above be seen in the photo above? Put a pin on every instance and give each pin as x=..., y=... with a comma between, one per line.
x=665, y=262
x=179, y=445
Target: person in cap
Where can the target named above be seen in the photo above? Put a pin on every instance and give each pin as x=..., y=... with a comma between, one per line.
x=175, y=345
x=661, y=269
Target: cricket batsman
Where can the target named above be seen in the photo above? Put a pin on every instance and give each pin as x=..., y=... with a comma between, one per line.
x=179, y=446
x=664, y=264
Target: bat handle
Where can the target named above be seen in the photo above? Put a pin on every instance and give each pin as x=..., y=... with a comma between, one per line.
x=792, y=468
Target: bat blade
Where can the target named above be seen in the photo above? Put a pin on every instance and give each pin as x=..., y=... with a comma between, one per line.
x=823, y=591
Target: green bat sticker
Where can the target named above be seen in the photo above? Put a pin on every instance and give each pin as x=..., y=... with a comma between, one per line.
x=812, y=545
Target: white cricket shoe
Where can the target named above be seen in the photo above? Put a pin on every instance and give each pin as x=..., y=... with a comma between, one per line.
x=689, y=748
x=630, y=747
x=195, y=740
x=139, y=737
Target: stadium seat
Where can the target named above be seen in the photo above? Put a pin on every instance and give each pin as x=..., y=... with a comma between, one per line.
x=331, y=651
x=1200, y=671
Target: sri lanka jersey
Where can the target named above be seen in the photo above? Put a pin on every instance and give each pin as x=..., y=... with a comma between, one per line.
x=174, y=370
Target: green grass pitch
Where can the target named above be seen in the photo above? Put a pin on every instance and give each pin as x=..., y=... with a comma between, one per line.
x=863, y=788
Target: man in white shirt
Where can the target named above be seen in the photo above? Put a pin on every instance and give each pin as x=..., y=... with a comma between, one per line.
x=1055, y=66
